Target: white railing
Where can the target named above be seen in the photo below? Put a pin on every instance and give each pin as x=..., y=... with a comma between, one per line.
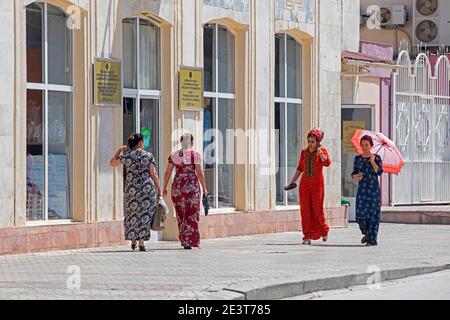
x=421, y=116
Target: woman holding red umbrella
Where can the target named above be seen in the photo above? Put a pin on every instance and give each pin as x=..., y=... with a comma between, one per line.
x=312, y=187
x=367, y=169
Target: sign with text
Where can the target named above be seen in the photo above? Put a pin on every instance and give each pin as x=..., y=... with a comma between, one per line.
x=191, y=89
x=107, y=83
x=350, y=128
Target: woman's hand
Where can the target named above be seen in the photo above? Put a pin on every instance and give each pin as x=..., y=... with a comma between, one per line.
x=165, y=193
x=320, y=152
x=123, y=149
x=358, y=176
x=372, y=159
x=205, y=193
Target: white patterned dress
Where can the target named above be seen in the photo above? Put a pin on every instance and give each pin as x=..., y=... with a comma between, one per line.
x=140, y=194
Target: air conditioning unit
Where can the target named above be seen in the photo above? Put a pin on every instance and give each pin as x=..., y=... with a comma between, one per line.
x=392, y=15
x=431, y=22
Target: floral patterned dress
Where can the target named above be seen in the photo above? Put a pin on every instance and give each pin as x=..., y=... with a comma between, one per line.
x=368, y=198
x=140, y=194
x=186, y=196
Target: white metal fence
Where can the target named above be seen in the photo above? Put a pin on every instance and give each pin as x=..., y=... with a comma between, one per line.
x=421, y=116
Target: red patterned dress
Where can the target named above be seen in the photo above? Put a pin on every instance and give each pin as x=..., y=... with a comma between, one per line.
x=312, y=192
x=186, y=196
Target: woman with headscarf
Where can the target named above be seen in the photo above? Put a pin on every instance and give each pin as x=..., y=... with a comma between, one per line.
x=142, y=189
x=312, y=187
x=186, y=194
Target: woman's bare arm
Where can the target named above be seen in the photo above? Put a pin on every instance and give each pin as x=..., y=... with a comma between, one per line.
x=154, y=175
x=115, y=163
x=167, y=176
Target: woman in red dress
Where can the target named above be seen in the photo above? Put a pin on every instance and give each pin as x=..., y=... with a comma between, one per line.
x=312, y=187
x=186, y=191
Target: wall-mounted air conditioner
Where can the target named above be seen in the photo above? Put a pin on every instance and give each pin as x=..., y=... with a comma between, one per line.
x=431, y=22
x=392, y=15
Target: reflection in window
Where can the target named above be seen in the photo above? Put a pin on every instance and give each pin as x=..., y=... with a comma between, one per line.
x=49, y=113
x=141, y=59
x=129, y=34
x=142, y=82
x=219, y=115
x=288, y=113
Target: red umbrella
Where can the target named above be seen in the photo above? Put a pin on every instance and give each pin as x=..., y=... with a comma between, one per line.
x=384, y=147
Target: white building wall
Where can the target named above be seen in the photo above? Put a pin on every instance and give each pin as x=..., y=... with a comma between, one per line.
x=328, y=25
x=7, y=141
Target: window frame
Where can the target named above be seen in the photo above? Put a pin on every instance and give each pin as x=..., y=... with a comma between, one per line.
x=139, y=94
x=284, y=103
x=216, y=96
x=45, y=87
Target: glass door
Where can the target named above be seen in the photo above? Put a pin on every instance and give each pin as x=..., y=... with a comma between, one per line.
x=146, y=121
x=353, y=117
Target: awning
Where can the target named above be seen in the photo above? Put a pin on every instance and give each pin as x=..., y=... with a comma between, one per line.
x=363, y=60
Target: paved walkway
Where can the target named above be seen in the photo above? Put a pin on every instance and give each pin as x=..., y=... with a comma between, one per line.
x=167, y=271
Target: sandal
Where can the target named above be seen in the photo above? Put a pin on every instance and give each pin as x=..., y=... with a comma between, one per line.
x=306, y=242
x=325, y=239
x=142, y=248
x=133, y=246
x=364, y=240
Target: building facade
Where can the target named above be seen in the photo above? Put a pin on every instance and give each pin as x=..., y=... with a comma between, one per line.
x=272, y=70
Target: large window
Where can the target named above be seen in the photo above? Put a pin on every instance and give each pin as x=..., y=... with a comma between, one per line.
x=219, y=114
x=288, y=113
x=49, y=113
x=142, y=81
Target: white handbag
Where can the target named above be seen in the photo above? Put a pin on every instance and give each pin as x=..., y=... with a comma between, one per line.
x=160, y=216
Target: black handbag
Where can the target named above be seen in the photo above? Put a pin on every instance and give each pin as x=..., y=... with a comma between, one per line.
x=206, y=204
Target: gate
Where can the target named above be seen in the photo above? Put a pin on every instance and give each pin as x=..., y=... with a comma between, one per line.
x=421, y=116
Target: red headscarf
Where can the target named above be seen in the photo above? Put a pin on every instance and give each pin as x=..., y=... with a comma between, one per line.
x=318, y=133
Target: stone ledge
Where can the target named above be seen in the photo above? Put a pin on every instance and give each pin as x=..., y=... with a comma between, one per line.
x=254, y=223
x=416, y=216
x=61, y=237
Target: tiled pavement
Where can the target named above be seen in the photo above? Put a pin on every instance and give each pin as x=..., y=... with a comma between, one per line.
x=166, y=271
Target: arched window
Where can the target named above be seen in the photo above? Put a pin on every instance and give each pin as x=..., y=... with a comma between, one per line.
x=142, y=81
x=288, y=112
x=49, y=113
x=219, y=114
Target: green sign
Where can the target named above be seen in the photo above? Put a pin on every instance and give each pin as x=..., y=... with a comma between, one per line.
x=146, y=135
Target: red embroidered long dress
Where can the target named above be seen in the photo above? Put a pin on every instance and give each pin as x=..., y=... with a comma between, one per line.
x=312, y=192
x=186, y=196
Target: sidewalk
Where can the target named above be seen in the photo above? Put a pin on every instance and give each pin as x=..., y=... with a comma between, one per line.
x=268, y=266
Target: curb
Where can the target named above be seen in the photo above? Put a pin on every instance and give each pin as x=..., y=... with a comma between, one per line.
x=292, y=287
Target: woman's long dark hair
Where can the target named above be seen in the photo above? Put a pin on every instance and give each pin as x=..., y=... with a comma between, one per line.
x=134, y=140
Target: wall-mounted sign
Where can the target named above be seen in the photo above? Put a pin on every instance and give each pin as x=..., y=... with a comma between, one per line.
x=146, y=135
x=350, y=128
x=107, y=83
x=191, y=89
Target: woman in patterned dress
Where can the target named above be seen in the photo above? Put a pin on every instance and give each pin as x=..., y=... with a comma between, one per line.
x=367, y=168
x=186, y=191
x=312, y=187
x=142, y=189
